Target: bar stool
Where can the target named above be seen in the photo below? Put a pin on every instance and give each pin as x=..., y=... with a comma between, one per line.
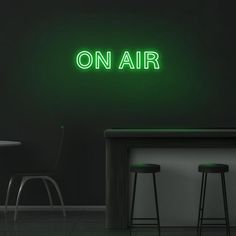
x=206, y=169
x=151, y=169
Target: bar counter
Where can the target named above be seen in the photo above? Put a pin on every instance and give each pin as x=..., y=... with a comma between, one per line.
x=118, y=144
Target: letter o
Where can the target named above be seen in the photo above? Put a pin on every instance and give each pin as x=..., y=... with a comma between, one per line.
x=79, y=59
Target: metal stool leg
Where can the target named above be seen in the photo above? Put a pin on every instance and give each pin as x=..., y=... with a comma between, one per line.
x=8, y=193
x=225, y=203
x=156, y=202
x=133, y=199
x=203, y=203
x=200, y=203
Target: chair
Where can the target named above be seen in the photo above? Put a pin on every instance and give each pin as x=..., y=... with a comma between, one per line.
x=46, y=177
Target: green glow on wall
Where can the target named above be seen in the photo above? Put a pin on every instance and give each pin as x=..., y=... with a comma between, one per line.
x=146, y=60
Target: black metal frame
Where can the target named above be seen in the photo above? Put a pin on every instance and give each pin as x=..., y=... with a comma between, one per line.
x=156, y=203
x=202, y=206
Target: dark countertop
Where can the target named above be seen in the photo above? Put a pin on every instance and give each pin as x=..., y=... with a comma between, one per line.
x=169, y=133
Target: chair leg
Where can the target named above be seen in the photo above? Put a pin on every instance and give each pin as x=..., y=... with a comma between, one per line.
x=58, y=192
x=23, y=181
x=156, y=202
x=203, y=204
x=8, y=193
x=225, y=203
x=48, y=192
x=133, y=199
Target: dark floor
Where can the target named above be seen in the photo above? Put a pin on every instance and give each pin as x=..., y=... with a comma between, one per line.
x=80, y=223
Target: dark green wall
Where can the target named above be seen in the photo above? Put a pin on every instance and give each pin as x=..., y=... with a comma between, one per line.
x=41, y=87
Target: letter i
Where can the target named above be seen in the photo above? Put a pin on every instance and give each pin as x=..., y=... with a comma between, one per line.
x=138, y=60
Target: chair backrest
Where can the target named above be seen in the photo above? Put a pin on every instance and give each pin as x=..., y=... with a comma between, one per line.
x=59, y=150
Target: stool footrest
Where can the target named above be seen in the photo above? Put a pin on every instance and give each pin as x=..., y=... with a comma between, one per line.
x=212, y=224
x=143, y=224
x=144, y=218
x=213, y=218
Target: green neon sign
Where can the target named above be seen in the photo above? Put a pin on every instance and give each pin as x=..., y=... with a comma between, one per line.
x=97, y=60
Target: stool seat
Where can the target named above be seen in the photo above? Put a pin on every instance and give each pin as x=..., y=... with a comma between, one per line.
x=145, y=168
x=213, y=168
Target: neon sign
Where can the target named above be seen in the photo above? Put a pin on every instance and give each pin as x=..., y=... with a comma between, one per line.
x=97, y=60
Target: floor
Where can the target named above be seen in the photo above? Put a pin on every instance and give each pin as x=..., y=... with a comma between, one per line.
x=80, y=224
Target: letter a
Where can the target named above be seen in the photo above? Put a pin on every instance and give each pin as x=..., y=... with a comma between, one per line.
x=126, y=60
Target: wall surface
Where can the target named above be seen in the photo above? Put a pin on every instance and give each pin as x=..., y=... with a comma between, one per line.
x=179, y=182
x=41, y=87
